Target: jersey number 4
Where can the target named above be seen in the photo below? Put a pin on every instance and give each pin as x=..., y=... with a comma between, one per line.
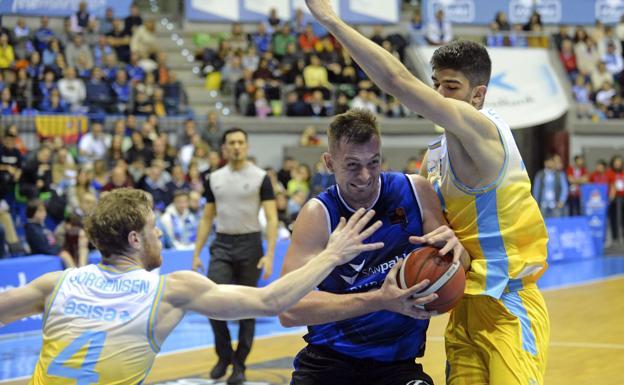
x=85, y=374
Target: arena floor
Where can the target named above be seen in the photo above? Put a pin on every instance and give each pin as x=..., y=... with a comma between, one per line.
x=587, y=339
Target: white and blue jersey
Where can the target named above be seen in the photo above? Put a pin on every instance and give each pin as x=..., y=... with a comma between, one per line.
x=383, y=335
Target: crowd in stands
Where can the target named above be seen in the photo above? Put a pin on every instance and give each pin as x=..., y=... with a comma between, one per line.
x=106, y=66
x=295, y=69
x=557, y=189
x=592, y=58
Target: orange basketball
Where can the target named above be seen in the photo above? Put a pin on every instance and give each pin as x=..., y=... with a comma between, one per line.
x=446, y=278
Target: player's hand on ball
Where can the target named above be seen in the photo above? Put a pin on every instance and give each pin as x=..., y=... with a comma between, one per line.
x=444, y=238
x=347, y=239
x=404, y=301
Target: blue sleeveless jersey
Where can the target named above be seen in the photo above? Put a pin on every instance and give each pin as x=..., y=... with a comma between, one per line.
x=382, y=335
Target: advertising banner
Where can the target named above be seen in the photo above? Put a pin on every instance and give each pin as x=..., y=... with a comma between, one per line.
x=519, y=11
x=253, y=11
x=594, y=205
x=60, y=8
x=569, y=238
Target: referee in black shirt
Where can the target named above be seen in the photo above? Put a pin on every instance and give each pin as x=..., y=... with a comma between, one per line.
x=234, y=194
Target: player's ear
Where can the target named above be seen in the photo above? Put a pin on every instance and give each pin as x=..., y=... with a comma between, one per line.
x=478, y=96
x=134, y=240
x=328, y=161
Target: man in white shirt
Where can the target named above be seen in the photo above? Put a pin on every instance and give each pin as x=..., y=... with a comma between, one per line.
x=72, y=89
x=93, y=145
x=439, y=30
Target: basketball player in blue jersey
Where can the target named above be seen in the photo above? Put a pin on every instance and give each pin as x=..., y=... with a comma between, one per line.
x=104, y=324
x=364, y=329
x=499, y=332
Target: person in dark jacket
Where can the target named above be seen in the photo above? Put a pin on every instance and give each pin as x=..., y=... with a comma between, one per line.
x=40, y=239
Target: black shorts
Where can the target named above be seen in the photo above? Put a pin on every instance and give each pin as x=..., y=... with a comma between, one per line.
x=317, y=365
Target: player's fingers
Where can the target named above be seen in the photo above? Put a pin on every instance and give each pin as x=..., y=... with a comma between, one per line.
x=392, y=274
x=359, y=226
x=420, y=286
x=421, y=313
x=415, y=239
x=341, y=224
x=370, y=230
x=357, y=215
x=424, y=299
x=371, y=246
x=450, y=245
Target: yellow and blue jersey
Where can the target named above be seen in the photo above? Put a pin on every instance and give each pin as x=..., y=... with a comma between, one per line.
x=98, y=327
x=500, y=225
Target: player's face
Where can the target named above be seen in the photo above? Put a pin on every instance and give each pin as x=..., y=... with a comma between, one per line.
x=357, y=168
x=236, y=147
x=452, y=84
x=152, y=247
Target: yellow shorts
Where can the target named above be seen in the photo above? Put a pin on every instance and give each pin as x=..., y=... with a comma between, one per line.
x=498, y=341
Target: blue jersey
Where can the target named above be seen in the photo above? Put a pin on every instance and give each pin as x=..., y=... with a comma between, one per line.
x=382, y=335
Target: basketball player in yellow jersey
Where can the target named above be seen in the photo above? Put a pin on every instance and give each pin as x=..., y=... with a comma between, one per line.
x=104, y=323
x=499, y=332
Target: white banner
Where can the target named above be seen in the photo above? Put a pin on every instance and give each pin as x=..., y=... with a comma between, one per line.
x=226, y=9
x=524, y=89
x=387, y=11
x=264, y=7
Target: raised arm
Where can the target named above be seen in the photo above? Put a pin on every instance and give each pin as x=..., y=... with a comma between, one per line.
x=310, y=234
x=27, y=300
x=191, y=291
x=455, y=116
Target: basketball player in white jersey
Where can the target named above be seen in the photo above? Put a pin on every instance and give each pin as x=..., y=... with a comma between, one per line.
x=104, y=324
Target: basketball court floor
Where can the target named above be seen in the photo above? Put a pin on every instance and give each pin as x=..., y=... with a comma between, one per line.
x=586, y=347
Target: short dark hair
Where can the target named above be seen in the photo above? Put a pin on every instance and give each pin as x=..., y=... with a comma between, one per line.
x=231, y=131
x=356, y=126
x=467, y=57
x=117, y=214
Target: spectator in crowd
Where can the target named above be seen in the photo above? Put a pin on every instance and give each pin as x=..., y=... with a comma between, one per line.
x=365, y=100
x=143, y=39
x=55, y=104
x=238, y=40
x=133, y=20
x=178, y=224
x=8, y=105
x=72, y=89
x=315, y=74
x=582, y=92
x=36, y=174
x=102, y=51
x=586, y=51
x=308, y=40
x=178, y=181
x=118, y=179
x=600, y=173
x=600, y=76
x=261, y=39
x=231, y=72
x=502, y=22
x=22, y=89
x=121, y=91
x=300, y=181
x=119, y=39
x=76, y=49
x=281, y=39
x=534, y=19
x=439, y=30
x=562, y=35
x=605, y=94
x=577, y=175
x=10, y=171
x=51, y=52
x=7, y=55
x=613, y=62
x=40, y=239
x=274, y=20
x=615, y=110
x=550, y=189
x=43, y=34
x=106, y=24
x=616, y=197
x=568, y=58
x=309, y=138
x=93, y=145
x=155, y=183
x=213, y=131
x=72, y=239
x=80, y=20
x=83, y=186
x=285, y=173
x=321, y=180
x=394, y=108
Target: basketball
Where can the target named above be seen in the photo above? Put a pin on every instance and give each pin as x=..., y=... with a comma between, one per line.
x=446, y=278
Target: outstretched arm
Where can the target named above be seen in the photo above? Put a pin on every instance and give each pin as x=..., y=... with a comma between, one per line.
x=191, y=291
x=309, y=236
x=27, y=300
x=455, y=116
